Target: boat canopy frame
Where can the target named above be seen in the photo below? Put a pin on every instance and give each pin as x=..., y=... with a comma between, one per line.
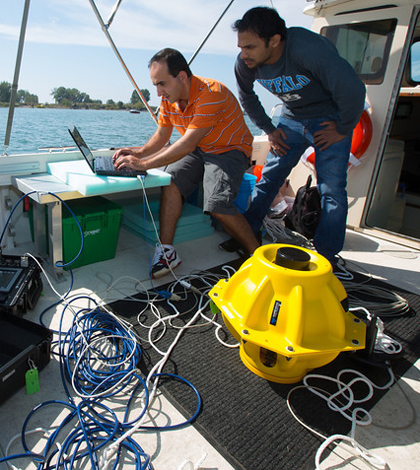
x=105, y=26
x=16, y=76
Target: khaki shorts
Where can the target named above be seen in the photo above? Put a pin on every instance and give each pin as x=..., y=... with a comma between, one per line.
x=221, y=176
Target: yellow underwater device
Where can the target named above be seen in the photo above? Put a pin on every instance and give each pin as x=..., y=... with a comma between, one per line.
x=288, y=312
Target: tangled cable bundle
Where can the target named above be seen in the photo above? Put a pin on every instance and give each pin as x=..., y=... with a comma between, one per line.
x=98, y=357
x=100, y=354
x=81, y=437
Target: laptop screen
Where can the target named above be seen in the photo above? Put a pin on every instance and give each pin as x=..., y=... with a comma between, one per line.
x=82, y=146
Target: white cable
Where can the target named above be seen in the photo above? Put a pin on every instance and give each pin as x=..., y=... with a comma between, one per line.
x=61, y=297
x=391, y=304
x=191, y=465
x=219, y=327
x=204, y=301
x=385, y=343
x=19, y=436
x=159, y=321
x=86, y=350
x=342, y=274
x=345, y=392
x=155, y=311
x=373, y=459
x=146, y=201
x=137, y=284
x=113, y=448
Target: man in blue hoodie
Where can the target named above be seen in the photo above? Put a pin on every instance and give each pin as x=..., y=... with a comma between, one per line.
x=323, y=99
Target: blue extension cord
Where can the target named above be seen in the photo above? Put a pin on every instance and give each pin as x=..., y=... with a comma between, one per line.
x=95, y=429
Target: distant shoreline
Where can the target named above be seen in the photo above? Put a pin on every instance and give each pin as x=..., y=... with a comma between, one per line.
x=95, y=106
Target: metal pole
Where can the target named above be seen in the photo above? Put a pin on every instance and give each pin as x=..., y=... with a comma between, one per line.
x=210, y=32
x=114, y=11
x=105, y=30
x=16, y=77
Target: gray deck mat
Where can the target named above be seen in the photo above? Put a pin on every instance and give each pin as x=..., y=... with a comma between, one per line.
x=246, y=417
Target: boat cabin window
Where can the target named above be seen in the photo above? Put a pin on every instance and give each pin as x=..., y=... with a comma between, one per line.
x=366, y=46
x=395, y=203
x=415, y=63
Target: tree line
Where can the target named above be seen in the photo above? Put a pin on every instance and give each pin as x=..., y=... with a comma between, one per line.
x=71, y=98
x=22, y=96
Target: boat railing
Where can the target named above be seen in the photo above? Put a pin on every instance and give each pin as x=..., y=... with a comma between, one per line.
x=272, y=113
x=55, y=149
x=274, y=109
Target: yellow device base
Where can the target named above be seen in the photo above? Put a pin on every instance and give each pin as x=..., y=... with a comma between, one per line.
x=288, y=312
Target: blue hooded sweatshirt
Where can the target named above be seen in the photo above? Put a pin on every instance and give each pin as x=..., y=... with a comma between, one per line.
x=310, y=78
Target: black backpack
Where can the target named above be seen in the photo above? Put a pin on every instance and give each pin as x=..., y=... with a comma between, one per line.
x=304, y=216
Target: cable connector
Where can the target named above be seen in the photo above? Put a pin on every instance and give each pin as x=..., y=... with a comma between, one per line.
x=190, y=287
x=185, y=284
x=169, y=295
x=165, y=294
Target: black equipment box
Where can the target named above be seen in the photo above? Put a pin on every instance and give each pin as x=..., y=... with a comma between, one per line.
x=23, y=344
x=20, y=283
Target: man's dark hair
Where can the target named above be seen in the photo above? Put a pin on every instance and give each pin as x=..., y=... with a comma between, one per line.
x=265, y=22
x=175, y=60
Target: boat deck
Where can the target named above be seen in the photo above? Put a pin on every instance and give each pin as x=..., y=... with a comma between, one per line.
x=185, y=448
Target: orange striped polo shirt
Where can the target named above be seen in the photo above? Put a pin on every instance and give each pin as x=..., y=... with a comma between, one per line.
x=210, y=104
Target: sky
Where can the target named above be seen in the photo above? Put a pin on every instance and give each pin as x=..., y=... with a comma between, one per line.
x=65, y=45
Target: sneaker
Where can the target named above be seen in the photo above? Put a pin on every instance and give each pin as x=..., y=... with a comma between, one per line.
x=164, y=260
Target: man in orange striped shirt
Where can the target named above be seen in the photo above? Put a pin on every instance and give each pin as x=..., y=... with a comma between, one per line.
x=214, y=147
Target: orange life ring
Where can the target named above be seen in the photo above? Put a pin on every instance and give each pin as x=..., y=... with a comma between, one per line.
x=362, y=135
x=257, y=171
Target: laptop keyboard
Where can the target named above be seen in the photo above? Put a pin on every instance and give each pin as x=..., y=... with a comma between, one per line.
x=105, y=163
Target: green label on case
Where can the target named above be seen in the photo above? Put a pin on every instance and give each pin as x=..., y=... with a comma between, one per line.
x=32, y=382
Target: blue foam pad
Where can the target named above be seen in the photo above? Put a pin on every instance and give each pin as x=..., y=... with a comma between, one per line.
x=135, y=213
x=192, y=223
x=182, y=234
x=79, y=176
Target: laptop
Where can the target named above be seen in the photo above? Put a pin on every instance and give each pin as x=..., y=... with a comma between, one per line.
x=100, y=165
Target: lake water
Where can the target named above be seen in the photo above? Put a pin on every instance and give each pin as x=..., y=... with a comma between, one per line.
x=46, y=127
